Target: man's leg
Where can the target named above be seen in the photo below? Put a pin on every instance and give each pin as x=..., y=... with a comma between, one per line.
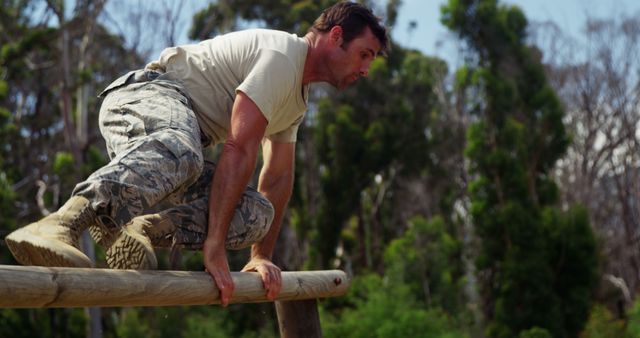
x=170, y=160
x=153, y=139
x=185, y=226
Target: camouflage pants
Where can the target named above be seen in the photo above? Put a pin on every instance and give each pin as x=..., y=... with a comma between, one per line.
x=156, y=161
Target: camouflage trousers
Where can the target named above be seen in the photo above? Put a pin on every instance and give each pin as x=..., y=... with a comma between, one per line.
x=156, y=166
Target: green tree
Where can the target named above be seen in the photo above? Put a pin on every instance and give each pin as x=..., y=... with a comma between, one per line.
x=386, y=309
x=633, y=320
x=224, y=16
x=376, y=134
x=518, y=137
x=602, y=324
x=426, y=259
x=131, y=325
x=535, y=332
x=49, y=71
x=26, y=323
x=7, y=195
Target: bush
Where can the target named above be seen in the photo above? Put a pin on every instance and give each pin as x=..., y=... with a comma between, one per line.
x=633, y=320
x=384, y=310
x=535, y=332
x=602, y=324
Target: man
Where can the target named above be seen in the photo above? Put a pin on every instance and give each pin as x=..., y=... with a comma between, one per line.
x=247, y=89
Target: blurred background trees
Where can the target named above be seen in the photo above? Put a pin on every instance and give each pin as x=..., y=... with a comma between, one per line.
x=537, y=265
x=500, y=199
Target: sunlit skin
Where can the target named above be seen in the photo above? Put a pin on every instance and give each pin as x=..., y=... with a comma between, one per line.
x=332, y=60
x=352, y=60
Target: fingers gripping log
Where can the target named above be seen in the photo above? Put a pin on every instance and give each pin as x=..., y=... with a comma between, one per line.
x=37, y=287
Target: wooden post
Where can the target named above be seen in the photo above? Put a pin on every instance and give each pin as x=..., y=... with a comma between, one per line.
x=299, y=319
x=43, y=287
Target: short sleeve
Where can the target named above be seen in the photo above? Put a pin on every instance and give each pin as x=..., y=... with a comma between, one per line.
x=269, y=82
x=289, y=135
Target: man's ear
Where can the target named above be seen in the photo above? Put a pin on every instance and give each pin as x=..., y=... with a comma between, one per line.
x=335, y=36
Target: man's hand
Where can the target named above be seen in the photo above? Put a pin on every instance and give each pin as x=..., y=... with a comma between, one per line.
x=216, y=264
x=270, y=274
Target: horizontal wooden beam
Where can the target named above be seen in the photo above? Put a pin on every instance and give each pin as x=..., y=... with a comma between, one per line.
x=43, y=287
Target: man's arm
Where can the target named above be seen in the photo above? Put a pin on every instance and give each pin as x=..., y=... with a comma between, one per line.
x=276, y=184
x=233, y=172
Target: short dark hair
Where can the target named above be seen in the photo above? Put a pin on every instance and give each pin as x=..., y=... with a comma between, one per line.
x=353, y=18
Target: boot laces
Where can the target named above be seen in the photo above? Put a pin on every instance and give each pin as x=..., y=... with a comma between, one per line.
x=83, y=219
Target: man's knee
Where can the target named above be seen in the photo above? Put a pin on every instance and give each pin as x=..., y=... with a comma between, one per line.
x=251, y=221
x=262, y=206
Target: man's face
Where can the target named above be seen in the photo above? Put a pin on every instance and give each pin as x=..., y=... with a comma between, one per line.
x=349, y=61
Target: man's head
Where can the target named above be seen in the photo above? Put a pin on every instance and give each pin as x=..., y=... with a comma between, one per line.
x=350, y=39
x=353, y=18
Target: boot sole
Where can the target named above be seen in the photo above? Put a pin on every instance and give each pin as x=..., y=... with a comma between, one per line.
x=31, y=249
x=101, y=236
x=131, y=251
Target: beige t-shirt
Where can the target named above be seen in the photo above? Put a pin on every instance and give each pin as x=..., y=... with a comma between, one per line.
x=266, y=65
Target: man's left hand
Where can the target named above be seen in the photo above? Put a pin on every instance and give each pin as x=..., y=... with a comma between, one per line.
x=270, y=274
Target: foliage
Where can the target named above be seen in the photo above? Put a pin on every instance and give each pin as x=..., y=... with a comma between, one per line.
x=535, y=332
x=7, y=199
x=39, y=74
x=418, y=296
x=42, y=72
x=131, y=325
x=602, y=324
x=571, y=249
x=512, y=148
x=360, y=139
x=223, y=16
x=385, y=309
x=633, y=320
x=63, y=164
x=18, y=324
x=197, y=321
x=27, y=323
x=199, y=326
x=425, y=259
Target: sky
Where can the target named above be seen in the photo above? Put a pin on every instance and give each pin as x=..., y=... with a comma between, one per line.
x=433, y=39
x=430, y=36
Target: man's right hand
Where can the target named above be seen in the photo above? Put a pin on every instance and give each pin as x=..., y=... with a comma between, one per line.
x=216, y=264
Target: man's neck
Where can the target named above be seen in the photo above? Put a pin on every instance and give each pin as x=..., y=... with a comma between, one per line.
x=314, y=65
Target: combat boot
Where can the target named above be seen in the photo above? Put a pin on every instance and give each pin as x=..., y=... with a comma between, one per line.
x=127, y=247
x=54, y=240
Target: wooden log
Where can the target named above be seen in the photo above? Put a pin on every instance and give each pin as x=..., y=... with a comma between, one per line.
x=43, y=287
x=299, y=318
